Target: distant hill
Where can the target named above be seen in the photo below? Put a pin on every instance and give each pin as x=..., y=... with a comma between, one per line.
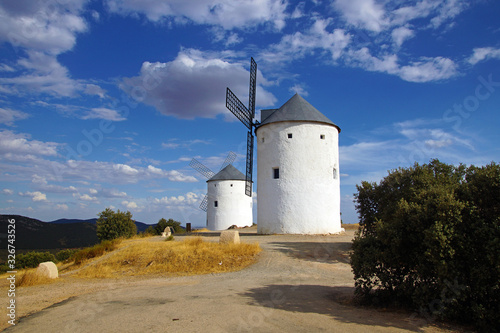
x=34, y=234
x=141, y=226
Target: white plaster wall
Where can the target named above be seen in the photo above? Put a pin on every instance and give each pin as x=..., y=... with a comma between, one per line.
x=234, y=207
x=306, y=197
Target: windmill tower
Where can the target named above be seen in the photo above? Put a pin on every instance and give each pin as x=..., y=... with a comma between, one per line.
x=225, y=203
x=298, y=185
x=297, y=170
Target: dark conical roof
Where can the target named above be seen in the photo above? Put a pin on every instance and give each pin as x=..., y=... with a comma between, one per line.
x=297, y=109
x=228, y=173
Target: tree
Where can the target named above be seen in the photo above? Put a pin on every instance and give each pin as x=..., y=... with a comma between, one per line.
x=111, y=225
x=159, y=227
x=427, y=235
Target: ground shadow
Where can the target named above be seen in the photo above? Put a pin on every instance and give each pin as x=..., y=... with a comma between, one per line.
x=334, y=301
x=327, y=252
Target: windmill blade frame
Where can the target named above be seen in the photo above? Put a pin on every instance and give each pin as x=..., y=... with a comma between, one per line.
x=198, y=166
x=229, y=160
x=249, y=164
x=204, y=203
x=253, y=87
x=237, y=108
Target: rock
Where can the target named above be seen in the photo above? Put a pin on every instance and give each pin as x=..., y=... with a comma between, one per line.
x=47, y=269
x=229, y=237
x=167, y=232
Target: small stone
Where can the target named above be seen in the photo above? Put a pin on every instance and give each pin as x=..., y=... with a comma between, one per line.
x=48, y=269
x=229, y=237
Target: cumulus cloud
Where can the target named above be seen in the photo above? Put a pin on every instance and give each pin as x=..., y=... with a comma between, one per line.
x=130, y=204
x=12, y=144
x=42, y=30
x=484, y=53
x=192, y=85
x=228, y=14
x=35, y=196
x=7, y=191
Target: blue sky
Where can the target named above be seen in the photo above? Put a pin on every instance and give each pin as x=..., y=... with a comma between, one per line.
x=104, y=103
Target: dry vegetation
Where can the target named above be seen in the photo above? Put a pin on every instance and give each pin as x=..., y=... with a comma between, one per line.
x=30, y=278
x=189, y=257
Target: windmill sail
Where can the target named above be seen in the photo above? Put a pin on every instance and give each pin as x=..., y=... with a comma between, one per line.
x=195, y=164
x=249, y=164
x=246, y=116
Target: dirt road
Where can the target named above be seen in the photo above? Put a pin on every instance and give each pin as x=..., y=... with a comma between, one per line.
x=299, y=284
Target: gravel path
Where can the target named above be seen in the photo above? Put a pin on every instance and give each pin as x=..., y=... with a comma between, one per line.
x=299, y=284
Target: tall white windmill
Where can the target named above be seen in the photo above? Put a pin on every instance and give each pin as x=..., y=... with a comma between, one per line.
x=225, y=203
x=298, y=186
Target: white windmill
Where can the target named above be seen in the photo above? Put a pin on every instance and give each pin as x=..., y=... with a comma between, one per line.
x=225, y=203
x=298, y=186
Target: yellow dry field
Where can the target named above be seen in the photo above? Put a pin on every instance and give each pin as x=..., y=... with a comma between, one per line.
x=188, y=257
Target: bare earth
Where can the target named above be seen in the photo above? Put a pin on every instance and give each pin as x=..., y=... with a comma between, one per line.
x=299, y=284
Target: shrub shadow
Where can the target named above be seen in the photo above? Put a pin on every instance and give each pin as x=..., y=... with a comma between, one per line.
x=327, y=252
x=334, y=301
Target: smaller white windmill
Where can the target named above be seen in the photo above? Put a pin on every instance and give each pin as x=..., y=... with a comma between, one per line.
x=225, y=203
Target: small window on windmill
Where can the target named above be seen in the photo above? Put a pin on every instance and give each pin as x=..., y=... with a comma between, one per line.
x=289, y=135
x=216, y=203
x=322, y=136
x=276, y=173
x=334, y=173
x=231, y=185
x=263, y=139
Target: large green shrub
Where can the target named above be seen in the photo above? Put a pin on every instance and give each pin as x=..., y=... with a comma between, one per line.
x=65, y=254
x=33, y=259
x=429, y=238
x=111, y=225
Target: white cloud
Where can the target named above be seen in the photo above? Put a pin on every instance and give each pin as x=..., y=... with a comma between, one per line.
x=188, y=199
x=13, y=144
x=8, y=116
x=103, y=113
x=228, y=14
x=62, y=207
x=184, y=144
x=423, y=70
x=320, y=36
x=484, y=53
x=85, y=197
x=429, y=69
x=35, y=196
x=401, y=34
x=7, y=191
x=192, y=85
x=44, y=25
x=130, y=204
x=298, y=89
x=365, y=14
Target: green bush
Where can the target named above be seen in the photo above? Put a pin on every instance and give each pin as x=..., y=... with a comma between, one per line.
x=65, y=254
x=429, y=238
x=33, y=259
x=94, y=251
x=111, y=225
x=159, y=227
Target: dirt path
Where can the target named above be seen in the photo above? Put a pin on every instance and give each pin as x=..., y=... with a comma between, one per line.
x=299, y=284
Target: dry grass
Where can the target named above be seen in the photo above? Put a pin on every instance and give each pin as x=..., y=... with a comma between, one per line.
x=95, y=251
x=189, y=257
x=353, y=226
x=30, y=278
x=202, y=230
